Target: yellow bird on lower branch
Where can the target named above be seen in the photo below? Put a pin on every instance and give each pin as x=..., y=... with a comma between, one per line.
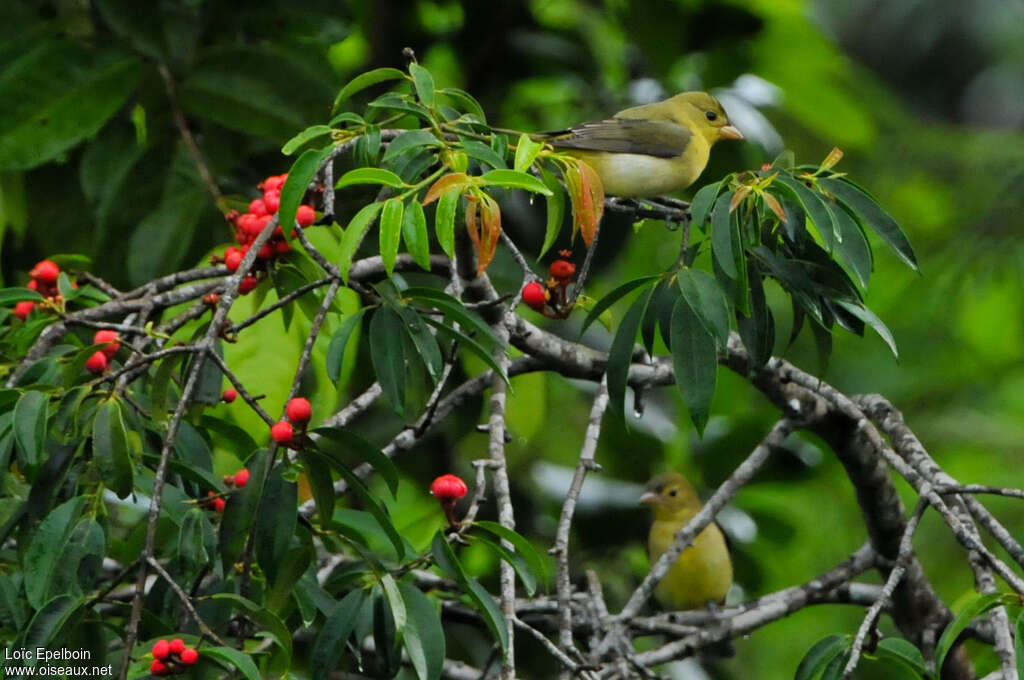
x=653, y=149
x=703, y=572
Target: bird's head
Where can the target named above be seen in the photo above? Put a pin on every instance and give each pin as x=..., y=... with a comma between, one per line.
x=670, y=495
x=702, y=112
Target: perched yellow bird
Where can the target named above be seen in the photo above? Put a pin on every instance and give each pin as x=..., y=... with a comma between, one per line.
x=652, y=149
x=703, y=573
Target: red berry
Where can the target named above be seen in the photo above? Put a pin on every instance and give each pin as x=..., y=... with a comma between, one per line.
x=274, y=182
x=158, y=667
x=229, y=480
x=22, y=309
x=265, y=252
x=282, y=432
x=249, y=282
x=110, y=341
x=211, y=299
x=534, y=296
x=305, y=216
x=281, y=247
x=97, y=363
x=766, y=166
x=189, y=656
x=448, y=487
x=272, y=199
x=248, y=224
x=233, y=259
x=45, y=271
x=219, y=504
x=241, y=478
x=561, y=270
x=299, y=411
x=257, y=207
x=177, y=645
x=32, y=285
x=161, y=648
x=229, y=396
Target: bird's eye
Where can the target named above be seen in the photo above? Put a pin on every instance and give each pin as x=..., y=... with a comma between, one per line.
x=711, y=115
x=673, y=492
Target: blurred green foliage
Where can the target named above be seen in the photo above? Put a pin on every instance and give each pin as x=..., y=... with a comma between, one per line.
x=926, y=98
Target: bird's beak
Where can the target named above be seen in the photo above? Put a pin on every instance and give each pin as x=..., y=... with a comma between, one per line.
x=730, y=132
x=649, y=498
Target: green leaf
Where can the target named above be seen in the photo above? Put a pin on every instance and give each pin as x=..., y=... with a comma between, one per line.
x=390, y=232
x=611, y=298
x=345, y=440
x=264, y=618
x=318, y=474
x=8, y=296
x=110, y=449
x=706, y=298
x=452, y=309
x=387, y=352
x=373, y=505
x=446, y=560
x=191, y=544
x=526, y=153
x=465, y=100
x=395, y=602
x=353, y=236
x=444, y=221
x=513, y=179
x=56, y=95
x=834, y=669
x=411, y=139
x=701, y=204
x=339, y=341
x=903, y=652
x=370, y=176
x=30, y=417
x=695, y=362
x=232, y=659
x=45, y=555
x=424, y=637
x=620, y=355
x=972, y=609
x=331, y=642
x=520, y=565
x=555, y=203
x=47, y=627
x=863, y=206
x=301, y=173
x=815, y=207
x=424, y=83
x=414, y=231
x=275, y=523
x=363, y=81
x=240, y=510
x=853, y=247
x=484, y=154
x=423, y=340
x=309, y=134
x=757, y=329
x=869, y=317
x=820, y=655
x=722, y=241
x=523, y=546
x=470, y=344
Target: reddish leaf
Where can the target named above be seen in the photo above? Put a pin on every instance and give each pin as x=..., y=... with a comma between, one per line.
x=491, y=214
x=774, y=205
x=595, y=190
x=453, y=180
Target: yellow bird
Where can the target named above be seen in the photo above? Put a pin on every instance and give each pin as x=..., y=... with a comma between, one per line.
x=703, y=572
x=653, y=149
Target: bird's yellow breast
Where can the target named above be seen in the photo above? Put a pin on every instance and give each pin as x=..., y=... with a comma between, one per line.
x=703, y=572
x=636, y=176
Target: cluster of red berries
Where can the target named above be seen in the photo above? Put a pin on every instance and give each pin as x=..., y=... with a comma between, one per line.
x=99, y=361
x=250, y=224
x=172, y=657
x=44, y=281
x=297, y=412
x=448, y=489
x=237, y=480
x=551, y=299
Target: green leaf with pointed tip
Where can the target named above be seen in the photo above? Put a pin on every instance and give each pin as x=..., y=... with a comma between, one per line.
x=446, y=560
x=519, y=565
x=30, y=417
x=300, y=175
x=365, y=80
x=867, y=210
x=387, y=352
x=275, y=523
x=339, y=341
x=555, y=204
x=370, y=176
x=611, y=298
x=390, y=232
x=414, y=231
x=424, y=637
x=523, y=546
x=424, y=84
x=307, y=135
x=233, y=660
x=701, y=204
x=972, y=609
x=815, y=207
x=820, y=655
x=722, y=241
x=903, y=652
x=110, y=449
x=513, y=179
x=9, y=296
x=444, y=221
x=340, y=440
x=451, y=308
x=695, y=361
x=526, y=152
x=853, y=248
x=707, y=300
x=264, y=618
x=411, y=139
x=373, y=505
x=464, y=100
x=353, y=236
x=330, y=644
x=869, y=317
x=620, y=356
x=470, y=344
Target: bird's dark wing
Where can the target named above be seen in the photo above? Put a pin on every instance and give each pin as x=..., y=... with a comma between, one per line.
x=625, y=135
